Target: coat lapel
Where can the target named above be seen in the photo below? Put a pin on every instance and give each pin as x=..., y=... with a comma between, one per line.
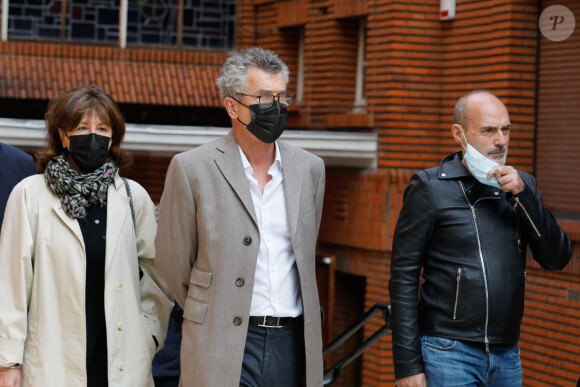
x=71, y=223
x=292, y=172
x=230, y=165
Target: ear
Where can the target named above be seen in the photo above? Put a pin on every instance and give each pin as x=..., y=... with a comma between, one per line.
x=64, y=140
x=457, y=134
x=231, y=107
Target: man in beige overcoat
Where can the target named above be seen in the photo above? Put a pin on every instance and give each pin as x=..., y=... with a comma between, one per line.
x=238, y=224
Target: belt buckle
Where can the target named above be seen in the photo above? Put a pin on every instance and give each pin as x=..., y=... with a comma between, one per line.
x=264, y=325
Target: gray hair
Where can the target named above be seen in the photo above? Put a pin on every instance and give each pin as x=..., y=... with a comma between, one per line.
x=233, y=76
x=460, y=112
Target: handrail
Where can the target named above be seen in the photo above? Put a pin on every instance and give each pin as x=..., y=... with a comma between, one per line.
x=331, y=374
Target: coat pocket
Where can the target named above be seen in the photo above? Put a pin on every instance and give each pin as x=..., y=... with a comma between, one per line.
x=200, y=278
x=195, y=310
x=149, y=340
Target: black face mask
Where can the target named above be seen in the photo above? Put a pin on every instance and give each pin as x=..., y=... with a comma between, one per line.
x=89, y=151
x=268, y=120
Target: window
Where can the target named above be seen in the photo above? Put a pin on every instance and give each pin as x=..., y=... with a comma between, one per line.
x=207, y=23
x=32, y=18
x=359, y=94
x=152, y=21
x=300, y=70
x=195, y=23
x=67, y=20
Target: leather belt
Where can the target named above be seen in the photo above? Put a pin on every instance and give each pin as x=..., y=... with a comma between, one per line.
x=270, y=321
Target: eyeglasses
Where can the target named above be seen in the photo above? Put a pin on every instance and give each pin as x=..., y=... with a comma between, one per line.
x=284, y=98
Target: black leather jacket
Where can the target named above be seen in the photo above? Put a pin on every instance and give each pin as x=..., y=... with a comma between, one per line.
x=470, y=241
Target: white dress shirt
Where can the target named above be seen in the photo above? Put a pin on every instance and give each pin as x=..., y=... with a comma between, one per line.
x=276, y=283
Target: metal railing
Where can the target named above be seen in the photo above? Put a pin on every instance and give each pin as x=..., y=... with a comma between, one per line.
x=332, y=373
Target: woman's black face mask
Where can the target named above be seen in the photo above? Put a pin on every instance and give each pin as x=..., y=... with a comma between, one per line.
x=268, y=120
x=89, y=151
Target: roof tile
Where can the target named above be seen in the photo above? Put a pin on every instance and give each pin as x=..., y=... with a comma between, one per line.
x=34, y=70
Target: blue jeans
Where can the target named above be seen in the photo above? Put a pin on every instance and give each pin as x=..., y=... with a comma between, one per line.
x=451, y=363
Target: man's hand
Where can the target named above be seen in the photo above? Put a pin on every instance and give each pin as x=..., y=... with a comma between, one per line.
x=508, y=178
x=10, y=378
x=418, y=380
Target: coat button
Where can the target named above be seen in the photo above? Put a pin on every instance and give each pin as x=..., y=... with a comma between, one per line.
x=240, y=282
x=121, y=366
x=119, y=286
x=120, y=326
x=237, y=321
x=247, y=241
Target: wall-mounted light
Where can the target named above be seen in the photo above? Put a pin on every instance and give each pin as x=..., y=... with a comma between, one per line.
x=447, y=10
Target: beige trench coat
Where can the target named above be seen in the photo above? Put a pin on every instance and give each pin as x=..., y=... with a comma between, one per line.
x=42, y=288
x=207, y=248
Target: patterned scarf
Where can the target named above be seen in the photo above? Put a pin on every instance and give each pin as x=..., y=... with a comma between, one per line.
x=75, y=190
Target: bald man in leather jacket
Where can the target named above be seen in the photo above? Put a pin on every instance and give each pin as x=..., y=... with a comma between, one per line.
x=465, y=229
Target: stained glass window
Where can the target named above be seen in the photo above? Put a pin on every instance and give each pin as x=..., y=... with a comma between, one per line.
x=205, y=23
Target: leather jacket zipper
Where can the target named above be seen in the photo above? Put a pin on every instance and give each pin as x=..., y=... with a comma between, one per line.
x=518, y=203
x=482, y=263
x=456, y=293
x=519, y=240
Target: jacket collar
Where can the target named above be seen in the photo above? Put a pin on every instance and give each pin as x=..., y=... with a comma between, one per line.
x=452, y=168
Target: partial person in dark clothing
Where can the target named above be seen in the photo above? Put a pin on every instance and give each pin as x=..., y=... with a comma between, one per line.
x=465, y=227
x=15, y=165
x=166, y=368
x=82, y=302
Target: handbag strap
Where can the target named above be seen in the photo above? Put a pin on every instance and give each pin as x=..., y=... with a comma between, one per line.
x=132, y=215
x=130, y=201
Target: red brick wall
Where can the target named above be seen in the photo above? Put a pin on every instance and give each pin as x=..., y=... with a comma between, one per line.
x=493, y=45
x=150, y=172
x=550, y=344
x=417, y=67
x=558, y=119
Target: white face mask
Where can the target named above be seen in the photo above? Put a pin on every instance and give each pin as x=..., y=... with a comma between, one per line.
x=479, y=165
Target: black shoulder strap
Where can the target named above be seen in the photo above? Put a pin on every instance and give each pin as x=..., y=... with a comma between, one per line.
x=132, y=215
x=130, y=201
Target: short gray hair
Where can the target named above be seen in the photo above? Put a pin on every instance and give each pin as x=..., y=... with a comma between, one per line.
x=233, y=76
x=460, y=112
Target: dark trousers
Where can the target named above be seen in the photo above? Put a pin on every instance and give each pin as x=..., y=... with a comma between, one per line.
x=274, y=357
x=166, y=381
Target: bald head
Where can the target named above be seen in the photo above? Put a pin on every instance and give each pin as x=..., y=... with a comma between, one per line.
x=462, y=107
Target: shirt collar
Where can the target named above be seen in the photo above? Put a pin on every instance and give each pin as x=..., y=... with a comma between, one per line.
x=277, y=160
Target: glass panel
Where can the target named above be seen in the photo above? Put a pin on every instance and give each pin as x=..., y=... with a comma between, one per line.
x=206, y=23
x=152, y=21
x=209, y=23
x=34, y=18
x=93, y=20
